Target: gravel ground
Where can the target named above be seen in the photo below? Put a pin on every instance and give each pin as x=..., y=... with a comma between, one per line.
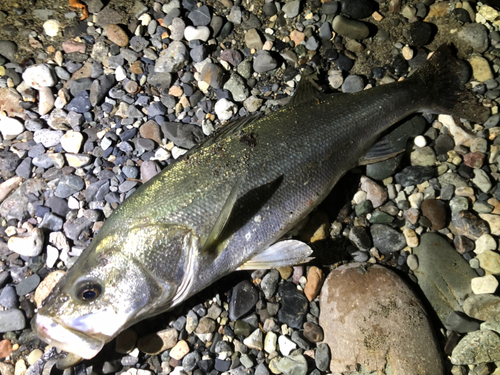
x=90, y=109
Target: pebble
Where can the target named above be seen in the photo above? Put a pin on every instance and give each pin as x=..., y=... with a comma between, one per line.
x=469, y=225
x=374, y=192
x=29, y=244
x=493, y=223
x=350, y=28
x=12, y=320
x=294, y=364
x=243, y=299
x=179, y=350
x=484, y=284
x=386, y=239
x=294, y=305
x=443, y=275
x=477, y=347
x=313, y=332
x=360, y=306
x=51, y=27
x=263, y=62
x=40, y=75
x=286, y=346
x=480, y=68
x=10, y=127
x=269, y=283
x=5, y=349
x=71, y=141
x=435, y=211
x=254, y=341
x=291, y=9
x=197, y=33
x=461, y=323
x=314, y=283
x=117, y=35
x=225, y=109
x=490, y=261
x=322, y=357
x=34, y=356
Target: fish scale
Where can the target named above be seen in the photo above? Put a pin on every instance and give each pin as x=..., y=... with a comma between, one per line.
x=226, y=204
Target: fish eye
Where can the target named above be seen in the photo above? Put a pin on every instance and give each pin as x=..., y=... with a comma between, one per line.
x=89, y=292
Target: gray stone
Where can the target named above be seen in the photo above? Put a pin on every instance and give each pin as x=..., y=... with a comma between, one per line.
x=236, y=85
x=12, y=320
x=386, y=239
x=173, y=59
x=485, y=307
x=69, y=185
x=443, y=275
x=477, y=347
x=350, y=28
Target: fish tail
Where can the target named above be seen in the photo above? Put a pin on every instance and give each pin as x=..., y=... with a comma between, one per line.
x=442, y=79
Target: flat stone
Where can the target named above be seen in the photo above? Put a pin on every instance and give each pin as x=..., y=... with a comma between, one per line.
x=117, y=35
x=243, y=299
x=361, y=306
x=12, y=320
x=443, y=275
x=484, y=284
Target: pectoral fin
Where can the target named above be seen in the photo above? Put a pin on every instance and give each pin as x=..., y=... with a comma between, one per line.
x=380, y=151
x=281, y=254
x=214, y=236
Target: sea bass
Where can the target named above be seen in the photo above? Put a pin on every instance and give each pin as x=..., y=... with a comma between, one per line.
x=227, y=204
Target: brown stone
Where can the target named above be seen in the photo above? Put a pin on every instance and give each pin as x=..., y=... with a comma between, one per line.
x=374, y=192
x=313, y=332
x=474, y=159
x=435, y=211
x=9, y=102
x=316, y=229
x=297, y=37
x=314, y=282
x=370, y=317
x=117, y=35
x=5, y=348
x=136, y=67
x=151, y=130
x=469, y=225
x=71, y=45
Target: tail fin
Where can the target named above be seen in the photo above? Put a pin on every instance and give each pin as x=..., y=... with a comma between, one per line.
x=444, y=77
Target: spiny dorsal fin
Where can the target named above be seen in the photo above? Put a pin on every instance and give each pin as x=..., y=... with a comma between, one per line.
x=220, y=224
x=281, y=254
x=307, y=90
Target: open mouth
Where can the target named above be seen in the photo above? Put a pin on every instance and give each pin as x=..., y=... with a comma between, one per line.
x=66, y=339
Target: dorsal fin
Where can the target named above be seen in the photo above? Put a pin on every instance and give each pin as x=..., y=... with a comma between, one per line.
x=307, y=90
x=220, y=224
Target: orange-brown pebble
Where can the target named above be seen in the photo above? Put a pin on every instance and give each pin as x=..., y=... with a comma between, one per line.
x=5, y=348
x=314, y=283
x=117, y=35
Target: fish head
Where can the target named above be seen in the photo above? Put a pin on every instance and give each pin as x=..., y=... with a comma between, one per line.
x=119, y=280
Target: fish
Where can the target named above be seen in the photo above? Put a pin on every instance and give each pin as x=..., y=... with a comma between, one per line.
x=230, y=201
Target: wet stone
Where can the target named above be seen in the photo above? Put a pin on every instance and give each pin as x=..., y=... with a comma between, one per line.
x=386, y=239
x=322, y=357
x=313, y=332
x=269, y=283
x=414, y=175
x=469, y=225
x=461, y=323
x=294, y=305
x=435, y=211
x=243, y=299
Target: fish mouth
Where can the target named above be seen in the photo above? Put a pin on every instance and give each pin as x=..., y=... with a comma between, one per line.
x=65, y=338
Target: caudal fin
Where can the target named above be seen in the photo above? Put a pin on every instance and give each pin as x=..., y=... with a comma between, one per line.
x=444, y=76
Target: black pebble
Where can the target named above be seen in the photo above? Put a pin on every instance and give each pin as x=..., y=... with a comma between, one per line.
x=293, y=305
x=420, y=33
x=414, y=175
x=243, y=299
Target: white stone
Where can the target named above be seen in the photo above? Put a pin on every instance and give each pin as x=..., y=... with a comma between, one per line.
x=10, y=127
x=254, y=341
x=420, y=141
x=270, y=342
x=52, y=256
x=484, y=243
x=145, y=19
x=359, y=197
x=120, y=73
x=46, y=100
x=484, y=285
x=51, y=27
x=73, y=203
x=225, y=109
x=490, y=262
x=177, y=151
x=286, y=345
x=460, y=136
x=39, y=75
x=28, y=244
x=72, y=141
x=200, y=33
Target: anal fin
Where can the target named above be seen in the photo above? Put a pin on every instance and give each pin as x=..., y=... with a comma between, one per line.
x=281, y=254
